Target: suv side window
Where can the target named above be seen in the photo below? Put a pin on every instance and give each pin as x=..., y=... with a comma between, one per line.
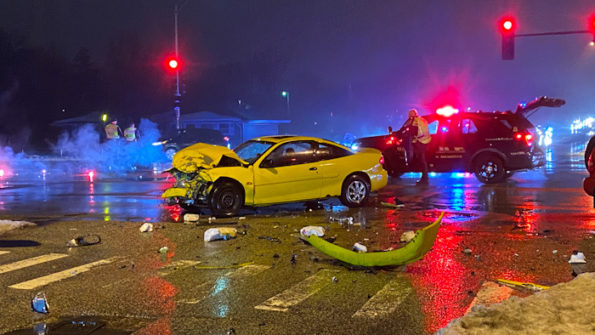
x=468, y=126
x=433, y=127
x=326, y=152
x=292, y=153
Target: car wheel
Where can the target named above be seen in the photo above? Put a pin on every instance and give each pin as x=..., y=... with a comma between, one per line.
x=355, y=191
x=170, y=152
x=489, y=169
x=225, y=199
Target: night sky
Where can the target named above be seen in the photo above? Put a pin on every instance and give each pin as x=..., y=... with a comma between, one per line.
x=378, y=57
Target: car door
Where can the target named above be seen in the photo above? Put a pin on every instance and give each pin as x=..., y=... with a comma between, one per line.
x=332, y=167
x=289, y=173
x=446, y=148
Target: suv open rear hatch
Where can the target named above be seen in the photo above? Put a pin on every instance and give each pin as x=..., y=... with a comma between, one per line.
x=522, y=109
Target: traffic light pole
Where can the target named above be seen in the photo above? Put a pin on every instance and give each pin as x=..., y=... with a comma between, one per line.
x=177, y=96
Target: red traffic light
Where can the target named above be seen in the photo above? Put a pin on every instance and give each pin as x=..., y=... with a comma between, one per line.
x=507, y=25
x=591, y=26
x=172, y=63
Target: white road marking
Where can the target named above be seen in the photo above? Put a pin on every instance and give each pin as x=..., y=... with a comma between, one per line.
x=297, y=293
x=176, y=265
x=54, y=277
x=490, y=293
x=214, y=287
x=2, y=252
x=30, y=262
x=385, y=301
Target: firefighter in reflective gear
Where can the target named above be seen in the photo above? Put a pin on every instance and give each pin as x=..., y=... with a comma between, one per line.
x=112, y=130
x=420, y=137
x=130, y=133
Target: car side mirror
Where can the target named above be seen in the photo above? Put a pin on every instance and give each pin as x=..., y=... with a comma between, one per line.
x=267, y=163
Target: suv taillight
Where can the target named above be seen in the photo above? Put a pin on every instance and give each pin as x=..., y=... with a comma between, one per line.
x=525, y=137
x=381, y=161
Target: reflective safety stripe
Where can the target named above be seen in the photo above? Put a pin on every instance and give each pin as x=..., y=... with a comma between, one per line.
x=30, y=262
x=298, y=293
x=54, y=277
x=385, y=301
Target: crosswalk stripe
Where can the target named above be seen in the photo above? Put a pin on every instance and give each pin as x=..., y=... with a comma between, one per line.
x=385, y=301
x=297, y=293
x=490, y=293
x=2, y=252
x=54, y=277
x=203, y=289
x=30, y=262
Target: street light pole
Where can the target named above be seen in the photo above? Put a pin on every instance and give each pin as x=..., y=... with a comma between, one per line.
x=177, y=96
x=285, y=94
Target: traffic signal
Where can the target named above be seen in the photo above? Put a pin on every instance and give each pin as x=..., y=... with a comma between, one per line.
x=507, y=27
x=173, y=63
x=591, y=27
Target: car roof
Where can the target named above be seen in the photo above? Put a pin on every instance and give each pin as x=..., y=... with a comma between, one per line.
x=290, y=138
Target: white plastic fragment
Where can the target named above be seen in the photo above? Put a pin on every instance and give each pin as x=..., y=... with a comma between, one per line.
x=146, y=227
x=223, y=233
x=312, y=230
x=189, y=217
x=578, y=258
x=359, y=247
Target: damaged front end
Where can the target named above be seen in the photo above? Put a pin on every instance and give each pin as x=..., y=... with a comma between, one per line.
x=190, y=168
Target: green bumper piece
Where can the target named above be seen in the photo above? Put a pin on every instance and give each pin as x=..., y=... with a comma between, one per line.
x=413, y=251
x=174, y=192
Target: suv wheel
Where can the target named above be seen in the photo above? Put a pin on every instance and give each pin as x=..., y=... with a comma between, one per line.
x=489, y=169
x=588, y=151
x=225, y=199
x=355, y=191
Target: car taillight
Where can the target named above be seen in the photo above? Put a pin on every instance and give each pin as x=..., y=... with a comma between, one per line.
x=527, y=138
x=381, y=161
x=391, y=140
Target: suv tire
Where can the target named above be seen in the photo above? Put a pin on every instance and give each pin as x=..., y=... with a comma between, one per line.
x=225, y=199
x=355, y=191
x=489, y=169
x=588, y=150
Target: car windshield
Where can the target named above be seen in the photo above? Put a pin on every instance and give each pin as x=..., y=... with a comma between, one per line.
x=251, y=150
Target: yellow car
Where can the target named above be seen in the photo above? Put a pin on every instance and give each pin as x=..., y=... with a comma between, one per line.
x=273, y=170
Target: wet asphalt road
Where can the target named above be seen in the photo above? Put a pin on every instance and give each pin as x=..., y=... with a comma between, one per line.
x=250, y=283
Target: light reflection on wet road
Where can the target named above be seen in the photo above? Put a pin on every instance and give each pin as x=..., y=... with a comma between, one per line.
x=510, y=227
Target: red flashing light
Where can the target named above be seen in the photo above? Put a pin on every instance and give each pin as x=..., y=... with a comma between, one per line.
x=518, y=136
x=1, y=173
x=391, y=140
x=91, y=175
x=381, y=161
x=528, y=138
x=507, y=25
x=591, y=26
x=447, y=111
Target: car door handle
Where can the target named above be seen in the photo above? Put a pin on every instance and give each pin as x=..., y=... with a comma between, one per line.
x=313, y=168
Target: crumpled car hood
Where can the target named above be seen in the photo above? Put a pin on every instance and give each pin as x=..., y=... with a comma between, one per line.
x=201, y=156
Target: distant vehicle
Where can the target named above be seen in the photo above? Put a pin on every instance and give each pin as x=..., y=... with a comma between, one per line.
x=491, y=145
x=189, y=136
x=589, y=182
x=273, y=170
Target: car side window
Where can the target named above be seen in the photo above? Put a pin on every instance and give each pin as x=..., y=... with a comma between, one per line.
x=326, y=152
x=292, y=153
x=468, y=126
x=433, y=127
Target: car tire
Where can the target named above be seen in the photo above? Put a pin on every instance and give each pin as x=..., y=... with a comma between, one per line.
x=226, y=199
x=588, y=150
x=489, y=169
x=355, y=192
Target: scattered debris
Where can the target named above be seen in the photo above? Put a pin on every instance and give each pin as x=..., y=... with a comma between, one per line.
x=555, y=252
x=189, y=217
x=82, y=241
x=358, y=247
x=335, y=279
x=343, y=220
x=40, y=304
x=222, y=233
x=275, y=255
x=578, y=263
x=467, y=251
x=146, y=227
x=520, y=285
x=398, y=204
x=211, y=219
x=407, y=236
x=163, y=250
x=272, y=239
x=309, y=230
x=293, y=259
x=231, y=331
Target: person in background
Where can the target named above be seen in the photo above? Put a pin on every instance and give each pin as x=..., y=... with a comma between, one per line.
x=130, y=133
x=112, y=130
x=417, y=128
